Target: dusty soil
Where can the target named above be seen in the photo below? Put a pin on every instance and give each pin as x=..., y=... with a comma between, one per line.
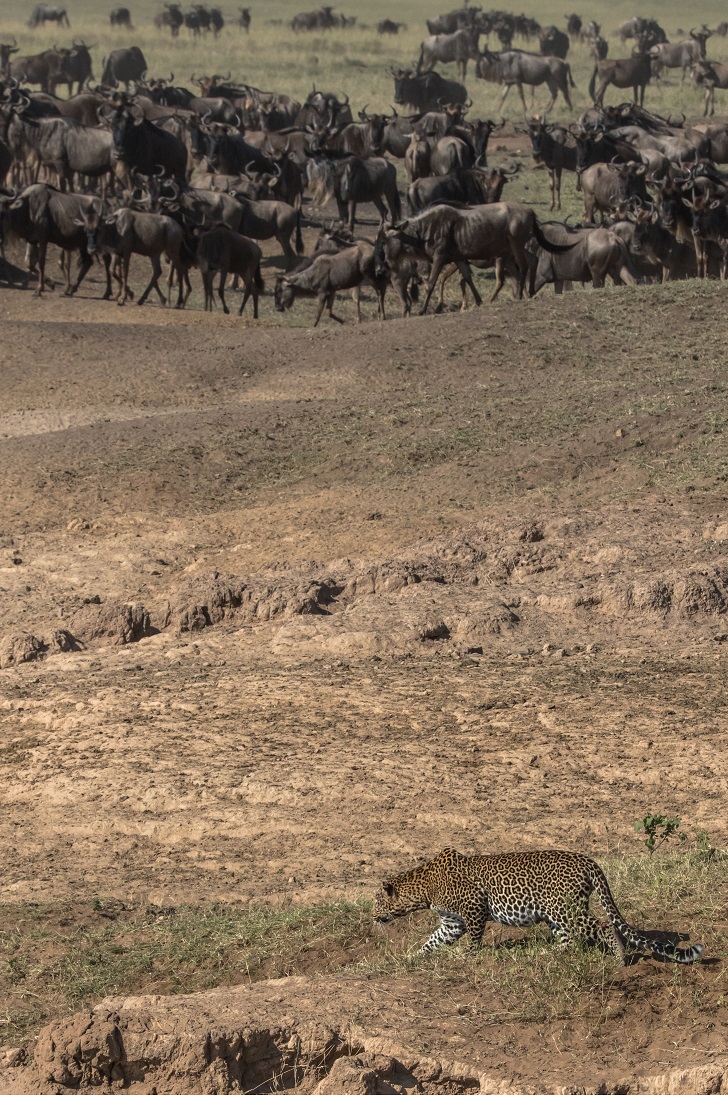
x=284, y=611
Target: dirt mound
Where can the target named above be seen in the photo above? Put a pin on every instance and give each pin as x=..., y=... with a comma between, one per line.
x=307, y=1036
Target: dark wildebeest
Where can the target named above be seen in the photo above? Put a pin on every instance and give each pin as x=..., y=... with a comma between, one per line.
x=428, y=91
x=609, y=185
x=265, y=220
x=220, y=250
x=47, y=13
x=141, y=146
x=7, y=49
x=452, y=21
x=76, y=68
x=554, y=147
x=229, y=153
x=244, y=20
x=444, y=235
x=475, y=186
x=329, y=274
x=124, y=66
x=710, y=75
x=41, y=215
x=444, y=49
x=129, y=232
x=120, y=17
x=553, y=42
x=709, y=224
x=353, y=181
x=573, y=25
x=217, y=21
x=514, y=68
x=659, y=246
x=634, y=72
x=388, y=26
x=596, y=254
x=171, y=17
x=680, y=54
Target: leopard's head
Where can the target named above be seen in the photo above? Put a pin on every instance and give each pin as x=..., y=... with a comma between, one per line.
x=397, y=897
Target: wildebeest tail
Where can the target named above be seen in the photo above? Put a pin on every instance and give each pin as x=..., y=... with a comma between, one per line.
x=554, y=248
x=258, y=278
x=299, y=237
x=593, y=83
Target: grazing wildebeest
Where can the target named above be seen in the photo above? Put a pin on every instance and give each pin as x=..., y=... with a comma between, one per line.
x=48, y=13
x=124, y=66
x=444, y=234
x=427, y=91
x=171, y=17
x=443, y=49
x=41, y=215
x=596, y=254
x=710, y=75
x=141, y=146
x=634, y=72
x=554, y=147
x=680, y=54
x=553, y=42
x=609, y=185
x=120, y=17
x=388, y=26
x=220, y=250
x=329, y=274
x=474, y=186
x=514, y=68
x=573, y=25
x=244, y=20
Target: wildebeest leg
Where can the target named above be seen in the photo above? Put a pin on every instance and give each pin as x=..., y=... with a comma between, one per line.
x=523, y=97
x=506, y=89
x=125, y=260
x=42, y=249
x=447, y=274
x=221, y=292
x=248, y=282
x=84, y=265
x=519, y=257
x=500, y=278
x=324, y=299
x=438, y=264
x=381, y=209
x=352, y=216
x=356, y=297
x=107, y=267
x=177, y=267
x=467, y=275
x=154, y=281
x=553, y=91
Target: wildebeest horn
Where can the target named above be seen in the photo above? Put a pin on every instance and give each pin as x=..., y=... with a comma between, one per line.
x=170, y=78
x=203, y=119
x=512, y=170
x=247, y=166
x=346, y=100
x=159, y=173
x=238, y=121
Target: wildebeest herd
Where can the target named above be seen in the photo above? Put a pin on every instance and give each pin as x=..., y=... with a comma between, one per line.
x=198, y=176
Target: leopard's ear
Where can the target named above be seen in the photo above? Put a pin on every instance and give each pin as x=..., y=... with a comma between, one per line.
x=388, y=888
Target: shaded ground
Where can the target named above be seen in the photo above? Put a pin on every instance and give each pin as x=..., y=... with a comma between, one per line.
x=332, y=600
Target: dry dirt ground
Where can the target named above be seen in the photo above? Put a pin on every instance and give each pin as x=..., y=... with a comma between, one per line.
x=283, y=611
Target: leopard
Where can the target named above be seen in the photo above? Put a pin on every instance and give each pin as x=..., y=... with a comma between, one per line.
x=518, y=889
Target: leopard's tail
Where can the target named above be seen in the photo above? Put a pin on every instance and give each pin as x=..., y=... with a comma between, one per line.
x=660, y=944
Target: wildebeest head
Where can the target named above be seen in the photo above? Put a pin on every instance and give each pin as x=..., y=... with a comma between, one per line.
x=6, y=51
x=123, y=121
x=377, y=125
x=283, y=294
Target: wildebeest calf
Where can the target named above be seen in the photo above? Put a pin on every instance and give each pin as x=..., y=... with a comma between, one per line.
x=226, y=252
x=329, y=274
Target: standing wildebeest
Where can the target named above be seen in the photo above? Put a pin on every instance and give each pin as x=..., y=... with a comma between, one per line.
x=330, y=273
x=47, y=13
x=128, y=232
x=124, y=66
x=217, y=21
x=552, y=146
x=573, y=25
x=244, y=20
x=265, y=220
x=514, y=68
x=444, y=235
x=634, y=72
x=7, y=49
x=229, y=153
x=427, y=91
x=443, y=49
x=709, y=224
x=452, y=21
x=653, y=241
x=141, y=146
x=226, y=252
x=41, y=215
x=171, y=17
x=67, y=148
x=41, y=68
x=475, y=186
x=120, y=17
x=710, y=75
x=596, y=254
x=680, y=54
x=76, y=68
x=608, y=185
x=352, y=181
x=554, y=43
x=388, y=26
